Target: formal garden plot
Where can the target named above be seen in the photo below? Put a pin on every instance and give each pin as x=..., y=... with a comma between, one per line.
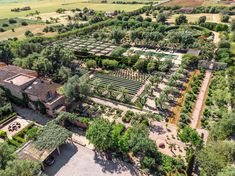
x=90, y=45
x=130, y=74
x=118, y=82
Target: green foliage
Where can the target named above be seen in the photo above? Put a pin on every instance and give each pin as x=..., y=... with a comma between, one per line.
x=228, y=171
x=99, y=133
x=128, y=116
x=202, y=19
x=117, y=35
x=21, y=168
x=182, y=19
x=161, y=18
x=225, y=18
x=223, y=129
x=91, y=64
x=117, y=52
x=32, y=134
x=147, y=162
x=76, y=87
x=6, y=53
x=6, y=154
x=189, y=61
x=189, y=135
x=51, y=136
x=109, y=64
x=215, y=156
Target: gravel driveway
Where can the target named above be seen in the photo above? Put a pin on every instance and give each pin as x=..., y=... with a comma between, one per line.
x=76, y=160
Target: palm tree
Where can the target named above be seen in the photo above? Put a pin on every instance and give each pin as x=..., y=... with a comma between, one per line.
x=96, y=85
x=123, y=92
x=109, y=89
x=160, y=100
x=171, y=146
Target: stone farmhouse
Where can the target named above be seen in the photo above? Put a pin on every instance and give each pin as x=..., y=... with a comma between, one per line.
x=40, y=93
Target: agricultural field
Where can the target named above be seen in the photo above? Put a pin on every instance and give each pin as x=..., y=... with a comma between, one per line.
x=185, y=3
x=44, y=6
x=215, y=18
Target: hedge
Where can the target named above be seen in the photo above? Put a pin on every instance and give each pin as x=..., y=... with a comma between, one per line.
x=8, y=117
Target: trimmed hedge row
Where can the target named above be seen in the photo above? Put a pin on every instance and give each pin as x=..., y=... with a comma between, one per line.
x=7, y=118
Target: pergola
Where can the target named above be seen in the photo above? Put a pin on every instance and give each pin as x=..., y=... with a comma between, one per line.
x=30, y=152
x=50, y=137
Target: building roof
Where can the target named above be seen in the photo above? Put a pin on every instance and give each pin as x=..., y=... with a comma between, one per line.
x=20, y=79
x=16, y=70
x=5, y=75
x=41, y=86
x=30, y=152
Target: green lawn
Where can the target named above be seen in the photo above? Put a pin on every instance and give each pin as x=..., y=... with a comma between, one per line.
x=44, y=6
x=18, y=24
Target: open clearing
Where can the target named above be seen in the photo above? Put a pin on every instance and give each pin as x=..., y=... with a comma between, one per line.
x=194, y=17
x=19, y=32
x=44, y=6
x=63, y=17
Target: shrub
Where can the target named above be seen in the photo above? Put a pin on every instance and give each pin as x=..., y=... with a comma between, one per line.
x=128, y=116
x=2, y=30
x=12, y=21
x=91, y=64
x=3, y=133
x=28, y=34
x=24, y=23
x=5, y=25
x=109, y=64
x=32, y=133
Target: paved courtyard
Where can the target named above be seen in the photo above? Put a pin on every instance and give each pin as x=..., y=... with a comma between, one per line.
x=76, y=160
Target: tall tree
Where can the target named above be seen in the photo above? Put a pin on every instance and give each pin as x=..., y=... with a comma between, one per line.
x=99, y=133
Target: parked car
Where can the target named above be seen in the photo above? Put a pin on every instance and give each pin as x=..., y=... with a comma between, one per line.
x=49, y=161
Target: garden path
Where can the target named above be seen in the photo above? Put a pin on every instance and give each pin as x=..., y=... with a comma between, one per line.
x=140, y=91
x=200, y=99
x=115, y=105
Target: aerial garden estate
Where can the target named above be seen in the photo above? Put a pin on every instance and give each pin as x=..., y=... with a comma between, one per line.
x=148, y=90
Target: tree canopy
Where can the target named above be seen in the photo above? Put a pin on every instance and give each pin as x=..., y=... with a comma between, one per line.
x=51, y=136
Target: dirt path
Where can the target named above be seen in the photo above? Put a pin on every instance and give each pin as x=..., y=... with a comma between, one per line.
x=196, y=114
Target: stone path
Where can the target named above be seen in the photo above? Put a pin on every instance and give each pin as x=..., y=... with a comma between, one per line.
x=115, y=105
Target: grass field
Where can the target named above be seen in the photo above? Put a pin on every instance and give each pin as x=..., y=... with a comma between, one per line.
x=44, y=6
x=18, y=24
x=19, y=32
